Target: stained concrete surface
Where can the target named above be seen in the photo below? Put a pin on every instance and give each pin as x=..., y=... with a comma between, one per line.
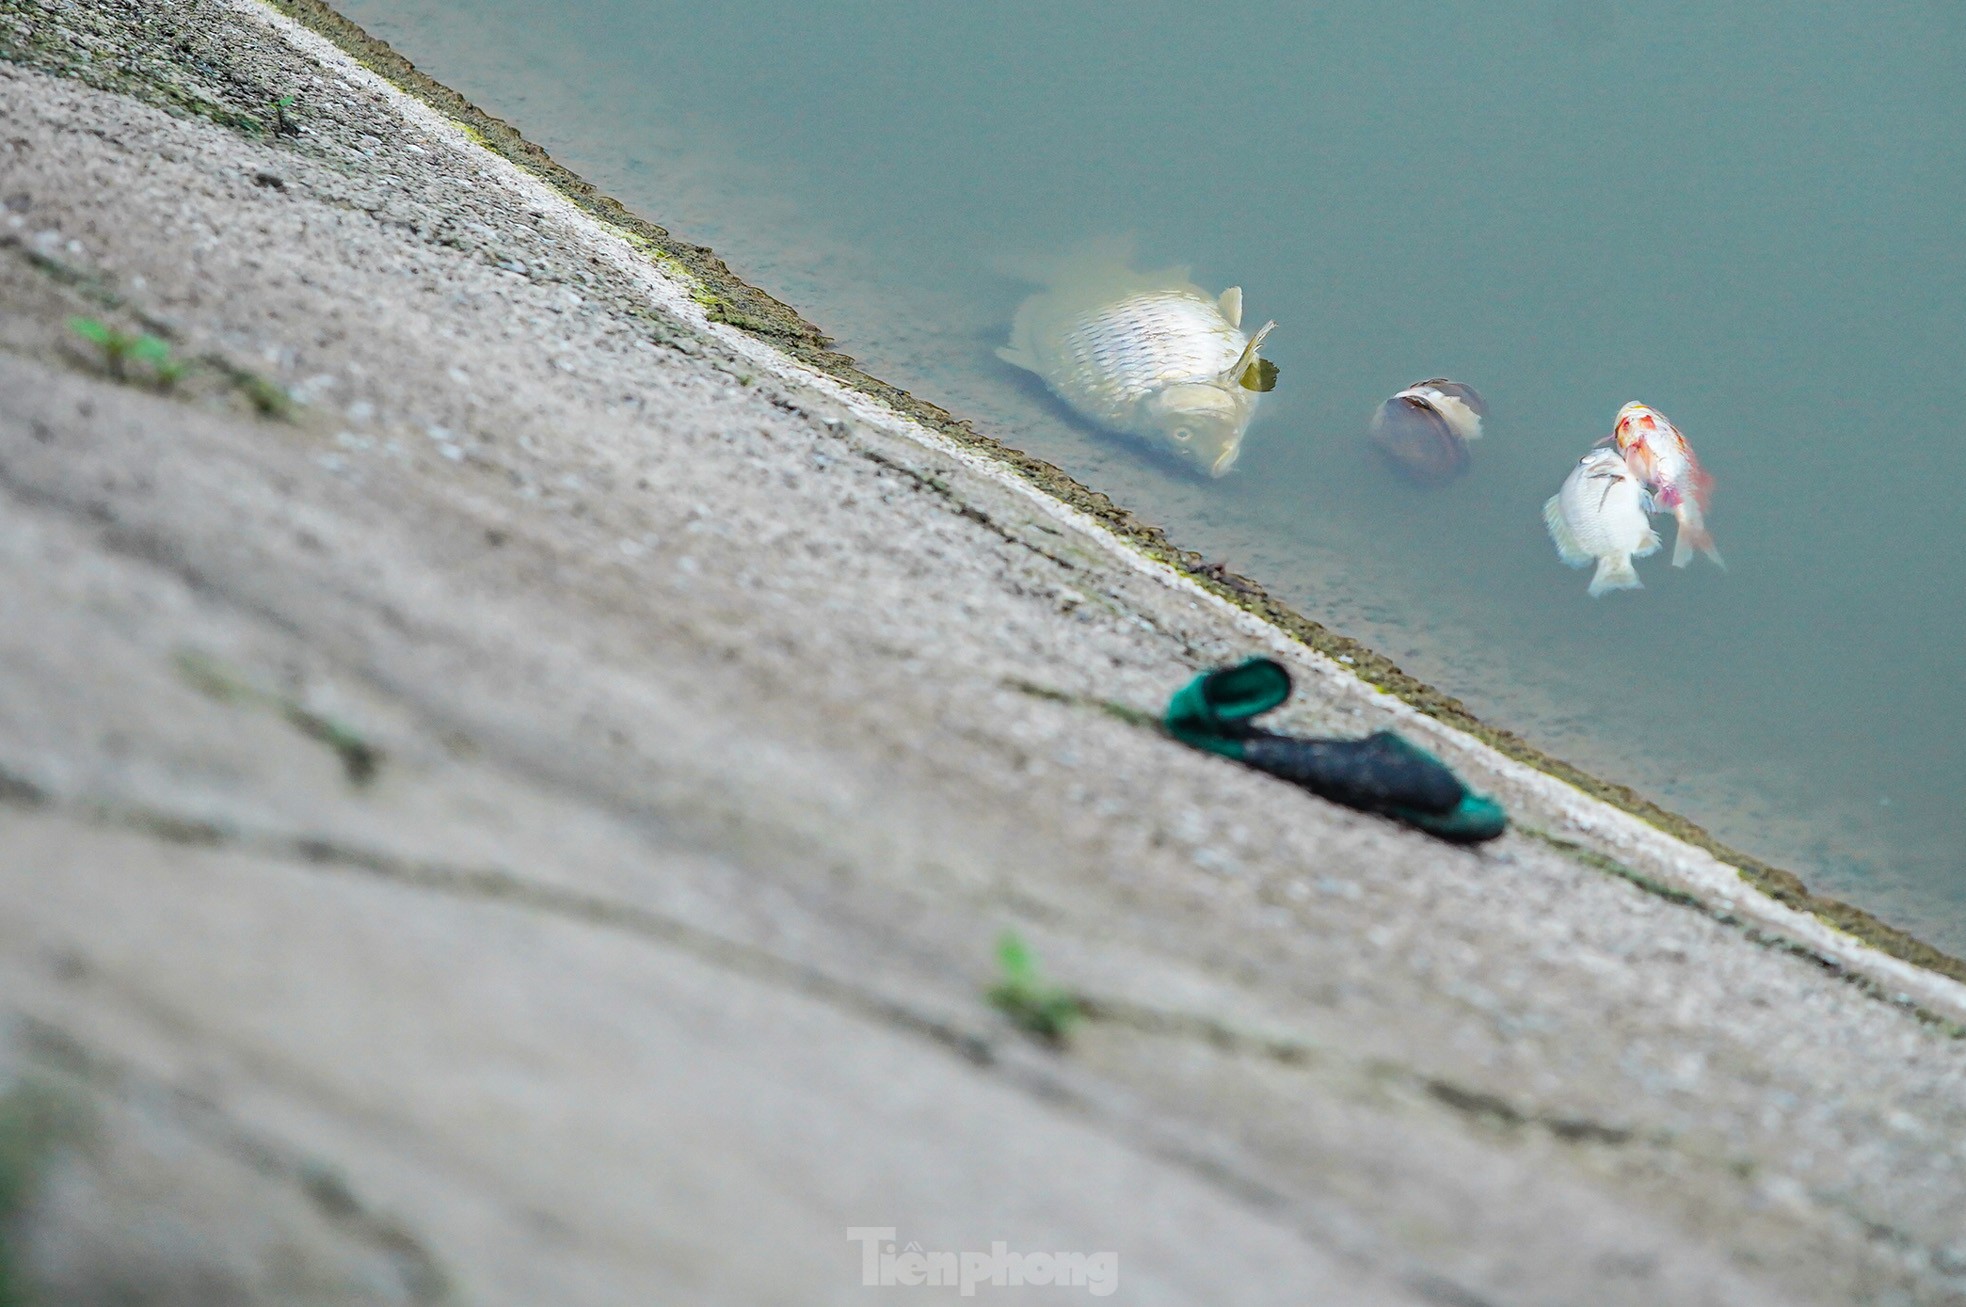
x=723, y=723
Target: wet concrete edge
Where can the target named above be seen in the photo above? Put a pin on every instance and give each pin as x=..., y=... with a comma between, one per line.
x=727, y=298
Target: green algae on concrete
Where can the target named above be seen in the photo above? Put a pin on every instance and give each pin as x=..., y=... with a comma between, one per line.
x=173, y=64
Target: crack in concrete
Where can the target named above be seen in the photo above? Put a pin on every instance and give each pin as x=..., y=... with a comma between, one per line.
x=935, y=485
x=493, y=885
x=1291, y=1051
x=1767, y=939
x=267, y=399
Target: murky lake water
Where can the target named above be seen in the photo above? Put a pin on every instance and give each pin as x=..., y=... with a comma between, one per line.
x=1746, y=215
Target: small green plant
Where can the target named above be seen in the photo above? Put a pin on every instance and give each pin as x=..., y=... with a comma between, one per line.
x=360, y=760
x=276, y=117
x=129, y=355
x=1037, y=1006
x=267, y=398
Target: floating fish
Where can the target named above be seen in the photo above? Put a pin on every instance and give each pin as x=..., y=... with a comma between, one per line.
x=1148, y=354
x=1600, y=516
x=1659, y=456
x=1425, y=429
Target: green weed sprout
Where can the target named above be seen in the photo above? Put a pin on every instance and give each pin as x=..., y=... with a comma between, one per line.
x=120, y=349
x=1033, y=1003
x=156, y=355
x=267, y=398
x=360, y=760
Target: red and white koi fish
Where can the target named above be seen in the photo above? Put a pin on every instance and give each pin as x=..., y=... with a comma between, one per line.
x=1659, y=456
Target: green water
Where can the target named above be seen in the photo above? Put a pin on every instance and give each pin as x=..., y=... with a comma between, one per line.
x=1746, y=215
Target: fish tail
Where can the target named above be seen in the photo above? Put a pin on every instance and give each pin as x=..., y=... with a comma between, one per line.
x=1693, y=536
x=1615, y=572
x=1702, y=481
x=1018, y=352
x=1017, y=356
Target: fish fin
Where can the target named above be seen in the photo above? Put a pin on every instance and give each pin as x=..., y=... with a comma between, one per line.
x=1017, y=350
x=1231, y=305
x=1702, y=484
x=1068, y=262
x=1647, y=545
x=1249, y=371
x=1693, y=536
x=1615, y=572
x=1017, y=358
x=1684, y=548
x=1098, y=270
x=1567, y=548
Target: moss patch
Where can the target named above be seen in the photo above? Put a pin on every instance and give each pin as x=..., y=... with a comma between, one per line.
x=174, y=57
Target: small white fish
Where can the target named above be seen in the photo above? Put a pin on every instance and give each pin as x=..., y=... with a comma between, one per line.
x=1600, y=516
x=1148, y=354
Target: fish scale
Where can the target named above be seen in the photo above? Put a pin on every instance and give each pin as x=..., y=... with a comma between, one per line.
x=1148, y=355
x=1126, y=350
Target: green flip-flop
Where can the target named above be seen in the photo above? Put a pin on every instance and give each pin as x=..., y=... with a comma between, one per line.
x=1381, y=773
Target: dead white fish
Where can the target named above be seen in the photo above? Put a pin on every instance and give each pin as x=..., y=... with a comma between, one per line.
x=1659, y=456
x=1425, y=429
x=1148, y=354
x=1601, y=516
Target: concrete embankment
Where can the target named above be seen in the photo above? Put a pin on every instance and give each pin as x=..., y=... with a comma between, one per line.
x=512, y=782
